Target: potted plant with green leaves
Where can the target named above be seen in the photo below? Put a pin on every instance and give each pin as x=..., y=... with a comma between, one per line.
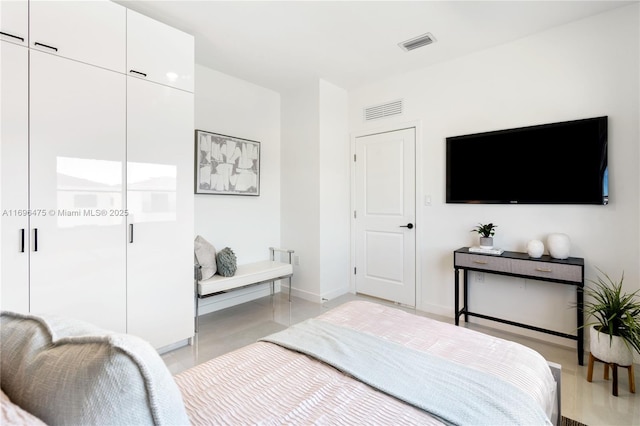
x=486, y=232
x=615, y=333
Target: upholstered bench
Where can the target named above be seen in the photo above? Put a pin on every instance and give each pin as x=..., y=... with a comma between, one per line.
x=246, y=275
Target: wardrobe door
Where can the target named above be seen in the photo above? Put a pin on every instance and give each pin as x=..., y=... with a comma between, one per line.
x=160, y=205
x=14, y=21
x=14, y=177
x=158, y=52
x=93, y=31
x=77, y=153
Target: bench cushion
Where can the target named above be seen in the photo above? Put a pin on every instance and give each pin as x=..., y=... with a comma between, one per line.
x=251, y=273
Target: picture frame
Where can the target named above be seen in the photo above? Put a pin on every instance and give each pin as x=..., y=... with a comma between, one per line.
x=226, y=165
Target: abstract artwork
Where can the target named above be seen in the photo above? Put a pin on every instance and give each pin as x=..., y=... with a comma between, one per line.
x=226, y=165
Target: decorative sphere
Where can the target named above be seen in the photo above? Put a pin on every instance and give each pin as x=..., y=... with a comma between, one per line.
x=535, y=248
x=558, y=245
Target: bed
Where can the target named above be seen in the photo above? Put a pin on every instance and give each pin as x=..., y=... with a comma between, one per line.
x=360, y=363
x=277, y=382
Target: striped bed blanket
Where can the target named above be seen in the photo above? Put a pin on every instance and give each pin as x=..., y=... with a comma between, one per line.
x=454, y=393
x=266, y=384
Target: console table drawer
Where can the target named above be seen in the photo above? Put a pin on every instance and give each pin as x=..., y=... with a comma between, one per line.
x=548, y=270
x=478, y=261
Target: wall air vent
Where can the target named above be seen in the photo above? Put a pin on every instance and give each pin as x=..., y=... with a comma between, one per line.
x=417, y=42
x=383, y=110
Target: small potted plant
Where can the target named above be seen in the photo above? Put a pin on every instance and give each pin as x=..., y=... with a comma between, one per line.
x=615, y=333
x=486, y=234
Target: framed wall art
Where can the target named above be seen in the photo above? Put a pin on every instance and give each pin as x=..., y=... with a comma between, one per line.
x=226, y=165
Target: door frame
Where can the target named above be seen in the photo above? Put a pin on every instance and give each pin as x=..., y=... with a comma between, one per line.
x=419, y=191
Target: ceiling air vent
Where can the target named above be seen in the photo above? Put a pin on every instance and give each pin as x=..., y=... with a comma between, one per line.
x=383, y=110
x=417, y=42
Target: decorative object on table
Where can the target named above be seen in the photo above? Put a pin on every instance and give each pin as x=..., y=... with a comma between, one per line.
x=226, y=165
x=493, y=250
x=535, y=248
x=226, y=262
x=486, y=232
x=558, y=245
x=615, y=333
x=205, y=254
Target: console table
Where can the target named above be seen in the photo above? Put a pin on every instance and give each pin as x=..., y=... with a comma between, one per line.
x=515, y=264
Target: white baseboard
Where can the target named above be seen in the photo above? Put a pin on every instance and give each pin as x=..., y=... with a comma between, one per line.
x=311, y=297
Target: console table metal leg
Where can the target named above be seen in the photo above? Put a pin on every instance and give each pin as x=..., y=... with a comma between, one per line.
x=465, y=297
x=457, y=296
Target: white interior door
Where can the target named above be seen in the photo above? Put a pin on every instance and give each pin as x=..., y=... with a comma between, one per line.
x=385, y=216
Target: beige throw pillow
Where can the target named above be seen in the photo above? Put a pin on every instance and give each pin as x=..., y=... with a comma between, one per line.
x=68, y=372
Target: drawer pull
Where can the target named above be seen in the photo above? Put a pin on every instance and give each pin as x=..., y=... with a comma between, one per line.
x=543, y=270
x=138, y=73
x=480, y=262
x=12, y=36
x=46, y=45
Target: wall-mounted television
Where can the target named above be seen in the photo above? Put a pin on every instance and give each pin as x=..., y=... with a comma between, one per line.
x=556, y=163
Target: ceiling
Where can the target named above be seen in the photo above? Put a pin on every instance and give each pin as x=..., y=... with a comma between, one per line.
x=283, y=45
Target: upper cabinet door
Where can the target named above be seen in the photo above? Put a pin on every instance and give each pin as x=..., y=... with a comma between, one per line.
x=14, y=21
x=158, y=52
x=93, y=32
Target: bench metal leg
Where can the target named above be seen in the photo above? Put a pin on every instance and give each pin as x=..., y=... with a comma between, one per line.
x=290, y=253
x=197, y=316
x=272, y=251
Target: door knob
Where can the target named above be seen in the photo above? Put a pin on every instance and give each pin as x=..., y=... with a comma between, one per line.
x=409, y=225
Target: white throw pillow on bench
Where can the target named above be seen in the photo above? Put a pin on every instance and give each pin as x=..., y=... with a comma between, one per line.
x=206, y=256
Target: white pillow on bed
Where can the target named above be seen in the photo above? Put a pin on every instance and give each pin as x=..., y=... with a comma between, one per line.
x=14, y=415
x=68, y=372
x=206, y=256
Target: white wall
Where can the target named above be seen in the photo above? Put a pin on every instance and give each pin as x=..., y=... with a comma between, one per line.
x=315, y=189
x=584, y=69
x=334, y=191
x=249, y=225
x=300, y=176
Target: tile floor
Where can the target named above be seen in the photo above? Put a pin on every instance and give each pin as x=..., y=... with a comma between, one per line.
x=232, y=328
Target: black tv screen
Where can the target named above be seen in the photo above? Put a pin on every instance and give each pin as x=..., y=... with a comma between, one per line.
x=557, y=163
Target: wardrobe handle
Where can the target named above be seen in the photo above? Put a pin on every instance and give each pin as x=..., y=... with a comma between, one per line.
x=137, y=72
x=131, y=233
x=35, y=239
x=22, y=240
x=11, y=35
x=45, y=45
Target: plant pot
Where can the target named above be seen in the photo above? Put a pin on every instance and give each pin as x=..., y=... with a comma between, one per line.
x=613, y=351
x=486, y=242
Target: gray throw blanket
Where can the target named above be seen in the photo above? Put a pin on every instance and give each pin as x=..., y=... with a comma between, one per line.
x=455, y=394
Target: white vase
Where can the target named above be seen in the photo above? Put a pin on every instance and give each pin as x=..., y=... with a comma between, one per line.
x=607, y=350
x=535, y=248
x=558, y=245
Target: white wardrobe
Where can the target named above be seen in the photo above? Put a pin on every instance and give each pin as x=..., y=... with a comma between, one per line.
x=97, y=167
